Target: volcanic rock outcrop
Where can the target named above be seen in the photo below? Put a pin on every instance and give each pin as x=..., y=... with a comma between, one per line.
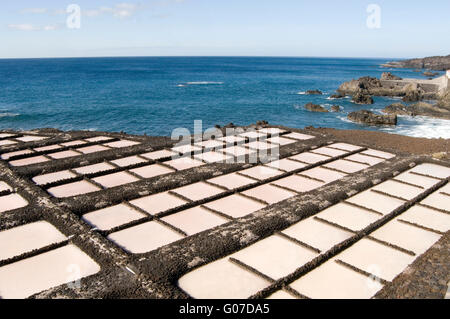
x=368, y=117
x=315, y=108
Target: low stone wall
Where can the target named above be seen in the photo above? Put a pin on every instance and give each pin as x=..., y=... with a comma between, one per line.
x=427, y=87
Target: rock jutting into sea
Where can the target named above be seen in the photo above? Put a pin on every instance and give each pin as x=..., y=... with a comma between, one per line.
x=313, y=92
x=431, y=74
x=418, y=109
x=408, y=89
x=335, y=108
x=389, y=76
x=368, y=117
x=315, y=108
x=362, y=97
x=436, y=63
x=337, y=96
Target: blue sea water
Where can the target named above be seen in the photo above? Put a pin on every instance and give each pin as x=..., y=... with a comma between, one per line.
x=155, y=95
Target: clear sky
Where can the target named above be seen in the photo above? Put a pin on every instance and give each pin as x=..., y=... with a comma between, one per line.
x=327, y=28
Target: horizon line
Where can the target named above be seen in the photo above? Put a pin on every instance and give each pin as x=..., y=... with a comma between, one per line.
x=201, y=56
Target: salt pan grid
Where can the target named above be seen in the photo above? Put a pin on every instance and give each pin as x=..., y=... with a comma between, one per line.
x=144, y=171
x=187, y=220
x=61, y=258
x=71, y=149
x=359, y=271
x=168, y=207
x=13, y=139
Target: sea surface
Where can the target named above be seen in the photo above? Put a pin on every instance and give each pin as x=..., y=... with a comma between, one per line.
x=157, y=95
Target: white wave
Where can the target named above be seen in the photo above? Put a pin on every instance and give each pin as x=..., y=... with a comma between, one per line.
x=301, y=93
x=421, y=126
x=203, y=83
x=345, y=119
x=7, y=114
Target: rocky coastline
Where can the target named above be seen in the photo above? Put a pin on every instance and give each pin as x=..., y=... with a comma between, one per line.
x=436, y=63
x=412, y=92
x=418, y=99
x=365, y=87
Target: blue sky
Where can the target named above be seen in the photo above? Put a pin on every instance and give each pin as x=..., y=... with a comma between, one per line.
x=327, y=28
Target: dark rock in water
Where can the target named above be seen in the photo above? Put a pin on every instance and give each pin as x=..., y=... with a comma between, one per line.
x=314, y=92
x=262, y=123
x=315, y=108
x=368, y=117
x=413, y=93
x=374, y=87
x=427, y=109
x=336, y=108
x=337, y=96
x=398, y=109
x=421, y=108
x=412, y=97
x=362, y=97
x=431, y=74
x=354, y=86
x=389, y=76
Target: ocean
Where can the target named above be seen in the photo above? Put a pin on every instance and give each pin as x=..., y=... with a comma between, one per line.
x=155, y=95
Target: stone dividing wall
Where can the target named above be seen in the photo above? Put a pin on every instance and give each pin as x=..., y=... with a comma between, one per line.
x=427, y=87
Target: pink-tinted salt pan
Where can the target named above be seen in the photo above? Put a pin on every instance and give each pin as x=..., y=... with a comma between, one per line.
x=270, y=194
x=298, y=183
x=198, y=191
x=20, y=240
x=152, y=171
x=235, y=206
x=121, y=144
x=158, y=203
x=29, y=161
x=53, y=177
x=95, y=168
x=92, y=149
x=64, y=154
x=128, y=161
x=73, y=189
x=145, y=237
x=195, y=220
x=114, y=216
x=116, y=179
x=12, y=201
